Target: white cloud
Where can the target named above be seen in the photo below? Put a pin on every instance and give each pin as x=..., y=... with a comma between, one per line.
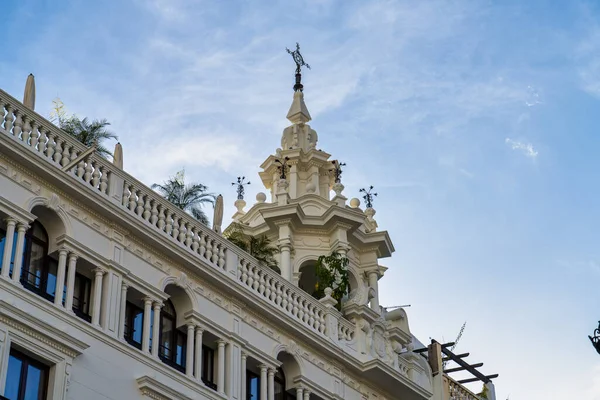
x=526, y=148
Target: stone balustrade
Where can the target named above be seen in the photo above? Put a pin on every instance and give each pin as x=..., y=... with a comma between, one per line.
x=455, y=391
x=61, y=150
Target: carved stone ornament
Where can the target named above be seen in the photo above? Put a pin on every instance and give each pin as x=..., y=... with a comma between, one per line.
x=293, y=348
x=53, y=202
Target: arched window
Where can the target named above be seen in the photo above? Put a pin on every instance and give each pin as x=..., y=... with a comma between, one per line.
x=39, y=271
x=280, y=389
x=172, y=346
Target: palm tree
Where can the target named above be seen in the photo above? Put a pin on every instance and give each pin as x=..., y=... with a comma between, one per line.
x=190, y=198
x=260, y=247
x=89, y=132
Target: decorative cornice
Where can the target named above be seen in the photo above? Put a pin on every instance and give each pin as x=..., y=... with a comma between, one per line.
x=14, y=317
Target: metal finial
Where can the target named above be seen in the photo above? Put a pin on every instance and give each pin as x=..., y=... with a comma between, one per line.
x=596, y=338
x=282, y=167
x=299, y=60
x=368, y=197
x=337, y=170
x=240, y=186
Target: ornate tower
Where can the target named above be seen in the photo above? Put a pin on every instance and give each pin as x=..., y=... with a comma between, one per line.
x=307, y=215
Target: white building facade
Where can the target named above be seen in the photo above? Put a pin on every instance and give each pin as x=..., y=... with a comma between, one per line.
x=153, y=304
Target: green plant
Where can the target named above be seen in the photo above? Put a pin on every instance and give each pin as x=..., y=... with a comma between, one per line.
x=260, y=247
x=332, y=272
x=86, y=131
x=188, y=197
x=484, y=393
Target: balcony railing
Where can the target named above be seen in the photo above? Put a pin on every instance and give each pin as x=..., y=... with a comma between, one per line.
x=456, y=391
x=61, y=150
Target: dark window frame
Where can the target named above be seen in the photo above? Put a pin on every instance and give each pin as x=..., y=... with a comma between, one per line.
x=26, y=361
x=208, y=367
x=176, y=337
x=249, y=376
x=30, y=239
x=129, y=327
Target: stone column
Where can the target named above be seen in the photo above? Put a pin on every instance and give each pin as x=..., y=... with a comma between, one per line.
x=373, y=283
x=8, y=245
x=60, y=277
x=263, y=381
x=243, y=375
x=299, y=391
x=271, y=384
x=221, y=362
x=98, y=273
x=286, y=260
x=189, y=356
x=306, y=394
x=198, y=348
x=71, y=282
x=157, y=305
x=146, y=327
x=21, y=229
x=122, y=308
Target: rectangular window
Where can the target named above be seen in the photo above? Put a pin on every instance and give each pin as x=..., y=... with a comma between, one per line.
x=208, y=367
x=27, y=379
x=252, y=386
x=81, y=297
x=134, y=323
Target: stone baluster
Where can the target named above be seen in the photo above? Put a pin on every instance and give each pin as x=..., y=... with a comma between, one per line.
x=175, y=231
x=57, y=150
x=51, y=147
x=202, y=244
x=104, y=180
x=215, y=252
x=169, y=226
x=153, y=213
x=26, y=134
x=208, y=253
x=161, y=218
x=189, y=235
x=43, y=139
x=87, y=176
x=132, y=199
x=222, y=259
x=8, y=120
x=34, y=136
x=195, y=240
x=147, y=209
x=182, y=232
x=139, y=209
x=66, y=155
x=17, y=128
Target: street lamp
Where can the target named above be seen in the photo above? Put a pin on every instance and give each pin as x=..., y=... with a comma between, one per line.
x=596, y=338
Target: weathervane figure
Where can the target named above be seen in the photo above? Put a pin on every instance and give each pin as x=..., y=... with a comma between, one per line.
x=240, y=186
x=299, y=60
x=368, y=197
x=337, y=170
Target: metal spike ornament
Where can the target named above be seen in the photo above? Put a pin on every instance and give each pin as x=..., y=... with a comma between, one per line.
x=337, y=170
x=368, y=197
x=282, y=167
x=240, y=186
x=299, y=60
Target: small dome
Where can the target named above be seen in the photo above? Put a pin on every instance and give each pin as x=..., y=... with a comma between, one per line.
x=354, y=203
x=261, y=197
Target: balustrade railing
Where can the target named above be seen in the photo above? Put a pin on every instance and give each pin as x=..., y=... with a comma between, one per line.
x=61, y=150
x=456, y=391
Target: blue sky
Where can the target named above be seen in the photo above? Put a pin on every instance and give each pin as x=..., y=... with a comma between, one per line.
x=476, y=121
